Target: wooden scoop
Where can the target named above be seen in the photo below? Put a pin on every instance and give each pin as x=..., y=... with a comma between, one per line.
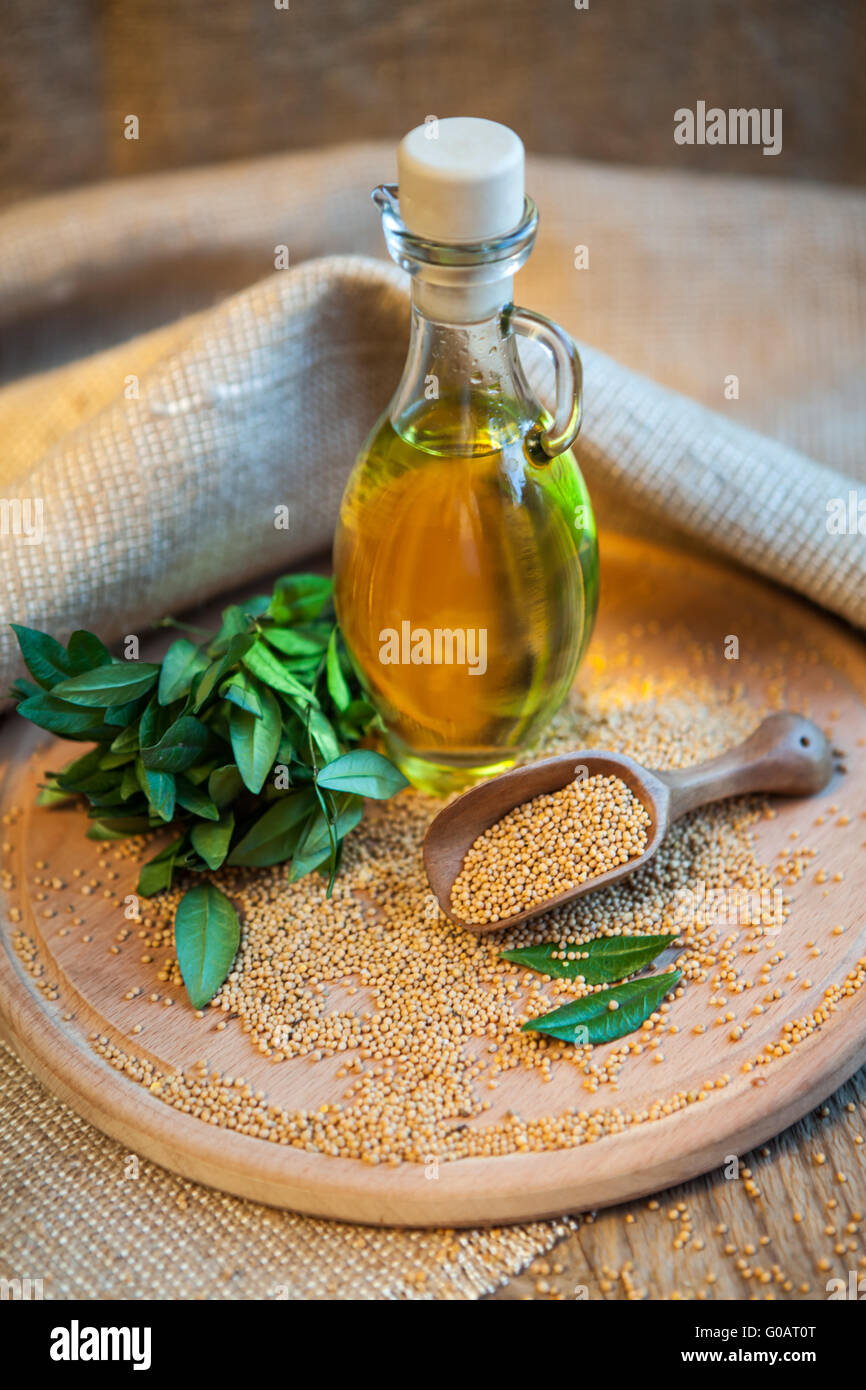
x=786, y=754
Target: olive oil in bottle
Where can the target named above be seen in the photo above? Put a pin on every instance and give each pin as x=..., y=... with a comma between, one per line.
x=465, y=556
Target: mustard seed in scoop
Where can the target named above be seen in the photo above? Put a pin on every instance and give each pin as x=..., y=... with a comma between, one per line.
x=548, y=845
x=530, y=872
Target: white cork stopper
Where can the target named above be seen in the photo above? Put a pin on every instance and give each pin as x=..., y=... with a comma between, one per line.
x=460, y=179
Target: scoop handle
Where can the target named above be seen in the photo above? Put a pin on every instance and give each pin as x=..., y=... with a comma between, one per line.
x=787, y=753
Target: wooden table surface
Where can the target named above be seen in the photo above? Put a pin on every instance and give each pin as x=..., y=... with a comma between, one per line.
x=726, y=1237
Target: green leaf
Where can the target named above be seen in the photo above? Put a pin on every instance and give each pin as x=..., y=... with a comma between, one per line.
x=608, y=958
x=129, y=783
x=212, y=841
x=255, y=741
x=51, y=795
x=234, y=623
x=356, y=720
x=270, y=839
x=207, y=935
x=153, y=723
x=180, y=747
x=307, y=671
x=276, y=674
x=47, y=712
x=224, y=784
x=216, y=716
x=201, y=772
x=194, y=800
x=286, y=753
x=294, y=738
x=364, y=773
x=236, y=620
x=323, y=735
x=221, y=667
x=100, y=830
x=86, y=652
x=104, y=796
x=338, y=688
x=77, y=772
x=117, y=827
x=299, y=598
x=109, y=761
x=161, y=793
x=592, y=1020
x=44, y=657
x=181, y=663
x=235, y=651
x=159, y=788
x=22, y=689
x=121, y=716
x=107, y=686
x=315, y=847
x=127, y=741
x=243, y=690
x=156, y=874
x=291, y=642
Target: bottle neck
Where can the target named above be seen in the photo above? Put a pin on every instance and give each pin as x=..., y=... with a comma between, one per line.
x=462, y=303
x=466, y=372
x=460, y=282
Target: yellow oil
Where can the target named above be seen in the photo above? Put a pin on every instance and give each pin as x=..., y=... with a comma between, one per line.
x=446, y=525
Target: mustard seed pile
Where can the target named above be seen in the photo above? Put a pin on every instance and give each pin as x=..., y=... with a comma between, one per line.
x=550, y=844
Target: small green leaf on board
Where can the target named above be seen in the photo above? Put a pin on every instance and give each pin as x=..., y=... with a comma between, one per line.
x=206, y=935
x=600, y=961
x=608, y=1013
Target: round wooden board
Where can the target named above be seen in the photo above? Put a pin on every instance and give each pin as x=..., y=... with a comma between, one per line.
x=674, y=607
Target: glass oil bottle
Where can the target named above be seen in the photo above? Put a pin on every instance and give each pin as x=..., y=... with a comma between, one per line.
x=466, y=566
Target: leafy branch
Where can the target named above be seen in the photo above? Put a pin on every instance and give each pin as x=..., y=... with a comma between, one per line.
x=245, y=744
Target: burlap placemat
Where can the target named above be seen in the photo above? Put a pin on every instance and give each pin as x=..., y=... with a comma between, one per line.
x=91, y=1221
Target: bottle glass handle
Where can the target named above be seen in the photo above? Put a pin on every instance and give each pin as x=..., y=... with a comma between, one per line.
x=542, y=445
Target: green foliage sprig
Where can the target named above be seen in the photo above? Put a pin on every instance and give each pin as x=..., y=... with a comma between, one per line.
x=193, y=742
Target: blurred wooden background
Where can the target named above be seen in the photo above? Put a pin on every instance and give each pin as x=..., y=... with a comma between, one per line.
x=214, y=80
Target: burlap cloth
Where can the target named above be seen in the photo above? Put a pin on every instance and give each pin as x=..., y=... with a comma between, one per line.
x=161, y=423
